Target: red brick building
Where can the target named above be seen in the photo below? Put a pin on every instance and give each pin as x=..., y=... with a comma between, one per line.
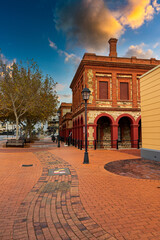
x=65, y=120
x=114, y=111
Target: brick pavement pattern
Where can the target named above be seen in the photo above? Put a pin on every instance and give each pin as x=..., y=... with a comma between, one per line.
x=15, y=183
x=88, y=203
x=128, y=208
x=53, y=209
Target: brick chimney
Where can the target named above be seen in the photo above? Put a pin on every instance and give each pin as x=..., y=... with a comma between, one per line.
x=113, y=47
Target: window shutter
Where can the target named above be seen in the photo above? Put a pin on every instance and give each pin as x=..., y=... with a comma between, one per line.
x=103, y=90
x=124, y=93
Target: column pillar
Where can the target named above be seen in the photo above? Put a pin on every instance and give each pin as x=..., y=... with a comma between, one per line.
x=134, y=90
x=95, y=131
x=73, y=134
x=114, y=135
x=65, y=134
x=79, y=132
x=134, y=135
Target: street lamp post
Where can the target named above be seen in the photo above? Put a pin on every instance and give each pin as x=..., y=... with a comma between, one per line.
x=58, y=114
x=85, y=95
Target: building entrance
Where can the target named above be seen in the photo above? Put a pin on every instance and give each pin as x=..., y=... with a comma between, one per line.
x=104, y=132
x=124, y=133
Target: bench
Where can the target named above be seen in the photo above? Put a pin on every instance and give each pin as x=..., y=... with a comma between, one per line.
x=14, y=143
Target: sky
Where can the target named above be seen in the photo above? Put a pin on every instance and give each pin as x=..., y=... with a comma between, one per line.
x=57, y=33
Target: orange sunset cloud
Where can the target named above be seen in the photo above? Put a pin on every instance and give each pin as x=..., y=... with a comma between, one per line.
x=90, y=23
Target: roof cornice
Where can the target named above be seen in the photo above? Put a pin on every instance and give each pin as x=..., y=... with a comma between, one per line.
x=114, y=62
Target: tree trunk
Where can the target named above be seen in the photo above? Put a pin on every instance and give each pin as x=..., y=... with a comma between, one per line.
x=29, y=128
x=17, y=127
x=26, y=133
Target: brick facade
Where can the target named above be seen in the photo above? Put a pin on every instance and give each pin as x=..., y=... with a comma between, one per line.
x=113, y=70
x=65, y=120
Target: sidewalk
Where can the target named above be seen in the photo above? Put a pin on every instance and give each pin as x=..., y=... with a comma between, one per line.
x=86, y=203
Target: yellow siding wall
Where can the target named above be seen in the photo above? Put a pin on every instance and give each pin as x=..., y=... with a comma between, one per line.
x=150, y=109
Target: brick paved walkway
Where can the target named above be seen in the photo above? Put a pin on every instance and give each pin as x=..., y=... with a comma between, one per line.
x=88, y=203
x=15, y=183
x=128, y=208
x=53, y=209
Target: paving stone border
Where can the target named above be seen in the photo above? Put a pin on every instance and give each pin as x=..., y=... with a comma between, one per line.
x=53, y=208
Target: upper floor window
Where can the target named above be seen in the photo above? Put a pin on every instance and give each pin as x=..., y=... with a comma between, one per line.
x=103, y=90
x=124, y=91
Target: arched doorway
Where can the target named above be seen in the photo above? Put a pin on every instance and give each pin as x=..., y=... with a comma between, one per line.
x=124, y=132
x=104, y=132
x=82, y=131
x=64, y=132
x=76, y=129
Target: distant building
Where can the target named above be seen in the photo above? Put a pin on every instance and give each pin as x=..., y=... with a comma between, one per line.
x=114, y=110
x=150, y=111
x=2, y=127
x=65, y=120
x=53, y=124
x=7, y=126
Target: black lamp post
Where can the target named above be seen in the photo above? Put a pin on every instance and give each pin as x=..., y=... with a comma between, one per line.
x=85, y=95
x=58, y=114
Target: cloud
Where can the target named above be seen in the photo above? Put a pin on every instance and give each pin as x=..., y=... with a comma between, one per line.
x=136, y=12
x=87, y=23
x=138, y=51
x=65, y=97
x=90, y=23
x=3, y=58
x=68, y=57
x=52, y=44
x=156, y=5
x=72, y=58
x=6, y=61
x=156, y=45
x=60, y=87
